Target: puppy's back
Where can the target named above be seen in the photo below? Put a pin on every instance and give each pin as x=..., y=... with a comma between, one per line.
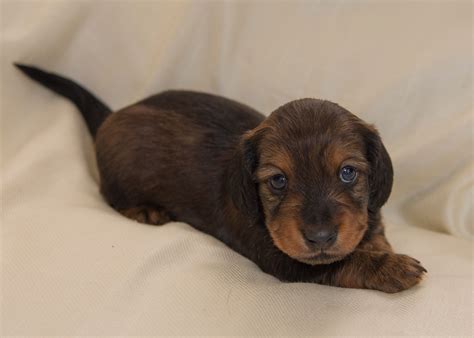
x=207, y=110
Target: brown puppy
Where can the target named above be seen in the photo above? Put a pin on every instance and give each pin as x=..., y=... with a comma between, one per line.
x=299, y=192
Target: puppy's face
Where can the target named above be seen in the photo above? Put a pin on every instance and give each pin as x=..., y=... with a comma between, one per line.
x=318, y=170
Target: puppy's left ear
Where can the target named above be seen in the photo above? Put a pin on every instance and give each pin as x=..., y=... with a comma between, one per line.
x=381, y=170
x=241, y=183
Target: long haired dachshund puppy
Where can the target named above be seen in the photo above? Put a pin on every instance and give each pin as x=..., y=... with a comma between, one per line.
x=299, y=192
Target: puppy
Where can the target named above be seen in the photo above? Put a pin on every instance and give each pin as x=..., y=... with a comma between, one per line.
x=299, y=192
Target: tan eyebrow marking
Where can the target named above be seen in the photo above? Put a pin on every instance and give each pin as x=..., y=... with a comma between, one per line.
x=278, y=159
x=357, y=162
x=266, y=171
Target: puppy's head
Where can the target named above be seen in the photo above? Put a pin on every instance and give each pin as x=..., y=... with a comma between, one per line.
x=313, y=171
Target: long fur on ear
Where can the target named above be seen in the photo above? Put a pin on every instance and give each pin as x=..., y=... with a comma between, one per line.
x=243, y=188
x=381, y=170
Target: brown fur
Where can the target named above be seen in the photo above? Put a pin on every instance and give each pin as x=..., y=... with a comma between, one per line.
x=209, y=161
x=160, y=154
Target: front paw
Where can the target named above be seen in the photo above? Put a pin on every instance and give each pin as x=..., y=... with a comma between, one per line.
x=394, y=273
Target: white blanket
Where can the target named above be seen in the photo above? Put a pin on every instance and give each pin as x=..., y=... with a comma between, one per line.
x=72, y=266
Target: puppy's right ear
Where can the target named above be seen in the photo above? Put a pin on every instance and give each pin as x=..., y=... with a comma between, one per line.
x=381, y=170
x=241, y=183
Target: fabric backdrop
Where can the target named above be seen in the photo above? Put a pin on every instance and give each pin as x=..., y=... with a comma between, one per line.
x=72, y=266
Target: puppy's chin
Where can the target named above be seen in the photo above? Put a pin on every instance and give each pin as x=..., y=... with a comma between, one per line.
x=320, y=258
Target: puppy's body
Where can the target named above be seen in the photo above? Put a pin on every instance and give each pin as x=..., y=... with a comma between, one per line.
x=274, y=189
x=173, y=151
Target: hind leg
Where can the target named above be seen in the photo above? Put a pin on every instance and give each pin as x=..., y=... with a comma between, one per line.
x=147, y=214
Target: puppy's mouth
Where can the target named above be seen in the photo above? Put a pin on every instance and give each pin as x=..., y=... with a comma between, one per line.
x=321, y=257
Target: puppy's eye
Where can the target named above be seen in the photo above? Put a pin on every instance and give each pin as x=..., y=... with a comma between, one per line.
x=348, y=174
x=278, y=182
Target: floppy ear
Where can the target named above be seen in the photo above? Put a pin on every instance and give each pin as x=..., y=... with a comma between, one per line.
x=381, y=170
x=242, y=186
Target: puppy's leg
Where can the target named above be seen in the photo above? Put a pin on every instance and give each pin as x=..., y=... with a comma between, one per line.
x=147, y=214
x=384, y=271
x=374, y=265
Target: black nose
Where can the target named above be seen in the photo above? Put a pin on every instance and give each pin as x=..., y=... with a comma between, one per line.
x=320, y=238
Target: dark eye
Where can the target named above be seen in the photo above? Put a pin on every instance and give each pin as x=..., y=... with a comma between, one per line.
x=278, y=182
x=348, y=174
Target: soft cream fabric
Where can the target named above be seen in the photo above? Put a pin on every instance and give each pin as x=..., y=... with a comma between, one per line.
x=73, y=266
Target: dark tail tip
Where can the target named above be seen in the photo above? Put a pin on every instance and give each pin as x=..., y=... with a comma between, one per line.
x=25, y=68
x=33, y=72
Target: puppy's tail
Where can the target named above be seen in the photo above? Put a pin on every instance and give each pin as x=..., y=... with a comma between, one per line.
x=91, y=108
